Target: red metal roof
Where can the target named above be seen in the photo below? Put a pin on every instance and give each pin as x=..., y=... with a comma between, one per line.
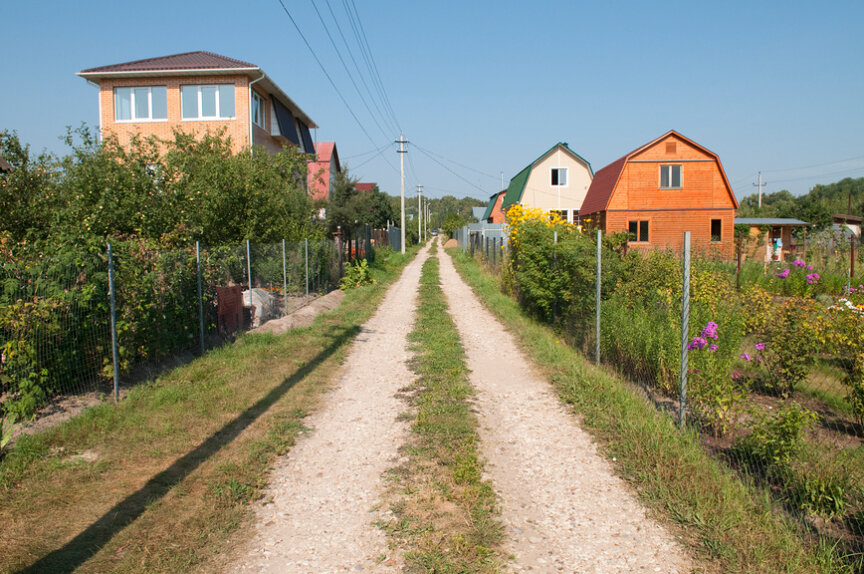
x=186, y=61
x=602, y=186
x=365, y=186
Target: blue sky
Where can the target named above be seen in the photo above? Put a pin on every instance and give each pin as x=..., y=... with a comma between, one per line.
x=485, y=87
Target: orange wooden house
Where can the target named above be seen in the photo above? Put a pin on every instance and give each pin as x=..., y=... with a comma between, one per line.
x=662, y=189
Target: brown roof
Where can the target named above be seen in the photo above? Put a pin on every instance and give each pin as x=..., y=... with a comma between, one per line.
x=605, y=180
x=186, y=61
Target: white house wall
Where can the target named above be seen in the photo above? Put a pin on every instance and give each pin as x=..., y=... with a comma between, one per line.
x=540, y=193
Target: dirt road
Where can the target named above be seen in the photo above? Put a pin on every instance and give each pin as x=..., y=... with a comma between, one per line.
x=323, y=492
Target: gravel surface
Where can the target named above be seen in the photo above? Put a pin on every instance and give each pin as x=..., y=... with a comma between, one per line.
x=563, y=508
x=323, y=495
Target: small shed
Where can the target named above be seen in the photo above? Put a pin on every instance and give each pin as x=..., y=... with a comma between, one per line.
x=769, y=233
x=850, y=222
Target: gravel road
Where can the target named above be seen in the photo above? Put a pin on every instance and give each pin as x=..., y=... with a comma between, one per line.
x=324, y=492
x=563, y=508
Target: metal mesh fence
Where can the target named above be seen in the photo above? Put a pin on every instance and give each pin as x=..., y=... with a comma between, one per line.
x=773, y=357
x=55, y=316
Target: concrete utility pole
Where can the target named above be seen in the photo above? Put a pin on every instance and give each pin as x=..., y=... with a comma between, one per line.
x=402, y=151
x=419, y=213
x=760, y=185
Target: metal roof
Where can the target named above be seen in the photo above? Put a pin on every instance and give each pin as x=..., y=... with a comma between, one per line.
x=768, y=221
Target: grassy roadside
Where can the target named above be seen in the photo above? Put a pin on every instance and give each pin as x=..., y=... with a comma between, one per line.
x=729, y=527
x=445, y=513
x=159, y=482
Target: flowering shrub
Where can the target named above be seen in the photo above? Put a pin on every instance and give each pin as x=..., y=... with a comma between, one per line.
x=716, y=393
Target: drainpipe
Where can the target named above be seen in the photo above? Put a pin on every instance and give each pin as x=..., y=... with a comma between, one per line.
x=251, y=124
x=98, y=87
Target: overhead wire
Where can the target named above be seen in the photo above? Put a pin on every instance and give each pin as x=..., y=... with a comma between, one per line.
x=454, y=162
x=347, y=71
x=469, y=182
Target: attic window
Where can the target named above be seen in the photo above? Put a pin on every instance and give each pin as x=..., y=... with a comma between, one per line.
x=671, y=147
x=559, y=177
x=670, y=176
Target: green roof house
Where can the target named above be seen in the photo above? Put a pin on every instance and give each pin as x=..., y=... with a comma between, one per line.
x=557, y=181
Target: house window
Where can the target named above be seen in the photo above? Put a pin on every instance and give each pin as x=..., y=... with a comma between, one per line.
x=559, y=176
x=716, y=229
x=638, y=231
x=140, y=104
x=207, y=102
x=258, y=108
x=562, y=213
x=670, y=176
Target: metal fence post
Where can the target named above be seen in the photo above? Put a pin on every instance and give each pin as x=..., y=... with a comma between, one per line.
x=114, y=350
x=200, y=299
x=307, y=266
x=555, y=270
x=284, y=280
x=249, y=267
x=685, y=328
x=598, y=297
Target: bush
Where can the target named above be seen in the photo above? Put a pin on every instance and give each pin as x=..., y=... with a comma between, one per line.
x=775, y=439
x=356, y=275
x=788, y=343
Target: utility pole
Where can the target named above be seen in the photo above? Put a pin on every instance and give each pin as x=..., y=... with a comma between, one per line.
x=419, y=213
x=402, y=151
x=760, y=185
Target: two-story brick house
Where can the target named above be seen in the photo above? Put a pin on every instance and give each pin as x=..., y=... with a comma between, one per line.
x=197, y=92
x=658, y=191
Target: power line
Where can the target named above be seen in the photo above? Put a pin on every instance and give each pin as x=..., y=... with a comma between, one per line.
x=323, y=69
x=472, y=184
x=347, y=71
x=357, y=67
x=366, y=52
x=379, y=154
x=454, y=162
x=814, y=166
x=365, y=153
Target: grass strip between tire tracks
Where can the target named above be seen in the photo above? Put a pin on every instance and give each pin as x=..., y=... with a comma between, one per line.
x=728, y=526
x=160, y=482
x=445, y=514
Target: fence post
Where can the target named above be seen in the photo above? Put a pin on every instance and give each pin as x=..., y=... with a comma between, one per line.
x=200, y=299
x=471, y=242
x=114, y=352
x=486, y=247
x=307, y=265
x=685, y=328
x=339, y=247
x=555, y=270
x=598, y=297
x=284, y=280
x=738, y=264
x=249, y=267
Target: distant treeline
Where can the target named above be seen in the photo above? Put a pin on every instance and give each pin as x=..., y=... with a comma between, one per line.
x=817, y=206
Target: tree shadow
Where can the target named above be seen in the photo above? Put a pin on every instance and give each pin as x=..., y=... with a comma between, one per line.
x=86, y=544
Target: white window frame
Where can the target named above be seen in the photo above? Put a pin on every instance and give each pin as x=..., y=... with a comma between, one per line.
x=670, y=167
x=566, y=177
x=133, y=119
x=261, y=110
x=200, y=118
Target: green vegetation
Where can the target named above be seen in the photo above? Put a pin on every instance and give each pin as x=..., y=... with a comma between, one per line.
x=446, y=514
x=731, y=526
x=817, y=206
x=159, y=482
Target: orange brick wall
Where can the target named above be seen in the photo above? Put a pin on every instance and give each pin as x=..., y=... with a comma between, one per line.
x=497, y=214
x=703, y=196
x=237, y=128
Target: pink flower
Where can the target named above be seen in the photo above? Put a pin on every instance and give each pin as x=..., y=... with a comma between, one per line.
x=783, y=274
x=798, y=263
x=697, y=344
x=735, y=375
x=760, y=346
x=809, y=268
x=713, y=348
x=813, y=278
x=710, y=330
x=746, y=357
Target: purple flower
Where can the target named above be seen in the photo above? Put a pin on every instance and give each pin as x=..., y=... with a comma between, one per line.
x=798, y=263
x=710, y=330
x=760, y=346
x=746, y=356
x=783, y=274
x=813, y=278
x=697, y=344
x=809, y=268
x=713, y=348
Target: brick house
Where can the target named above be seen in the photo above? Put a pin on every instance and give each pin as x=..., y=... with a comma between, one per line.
x=322, y=171
x=494, y=213
x=197, y=92
x=662, y=189
x=556, y=181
